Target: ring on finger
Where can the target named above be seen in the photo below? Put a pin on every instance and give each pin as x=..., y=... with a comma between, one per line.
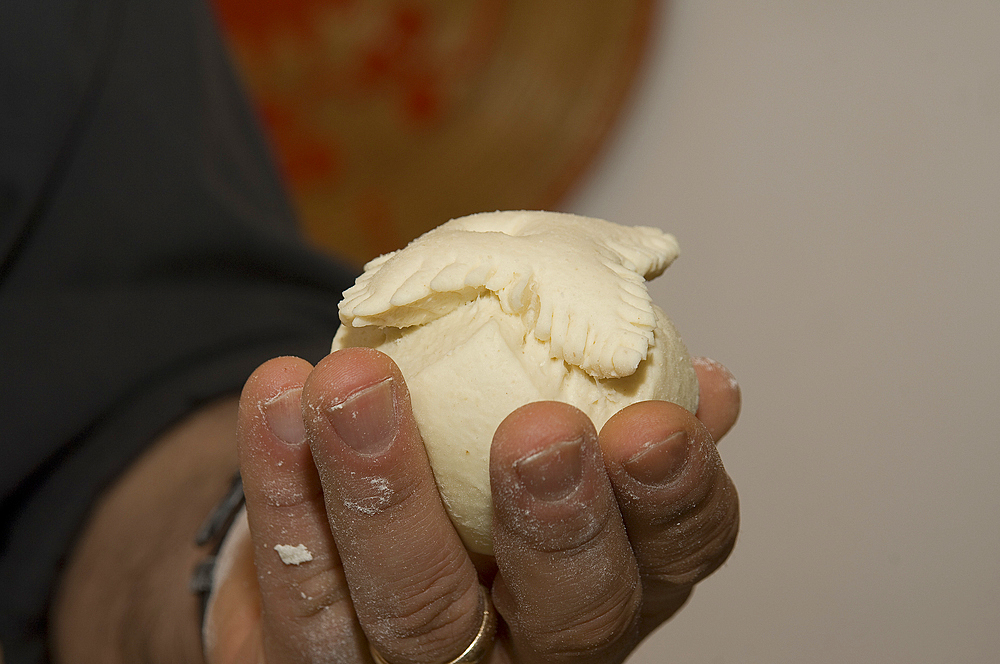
x=482, y=643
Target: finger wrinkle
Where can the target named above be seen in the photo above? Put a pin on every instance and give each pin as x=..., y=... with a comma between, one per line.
x=407, y=580
x=284, y=494
x=329, y=636
x=438, y=624
x=430, y=605
x=318, y=592
x=690, y=549
x=377, y=496
x=606, y=604
x=708, y=498
x=601, y=636
x=367, y=495
x=436, y=580
x=591, y=604
x=611, y=626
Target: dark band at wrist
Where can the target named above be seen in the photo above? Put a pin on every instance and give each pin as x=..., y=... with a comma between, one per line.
x=213, y=532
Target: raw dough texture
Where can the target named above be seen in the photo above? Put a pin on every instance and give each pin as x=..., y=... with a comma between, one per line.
x=293, y=555
x=495, y=310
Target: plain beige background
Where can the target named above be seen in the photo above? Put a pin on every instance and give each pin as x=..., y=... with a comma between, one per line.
x=832, y=171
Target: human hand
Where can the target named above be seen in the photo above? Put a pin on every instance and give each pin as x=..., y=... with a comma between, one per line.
x=598, y=539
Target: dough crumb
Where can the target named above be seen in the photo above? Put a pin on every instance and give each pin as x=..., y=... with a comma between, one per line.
x=293, y=555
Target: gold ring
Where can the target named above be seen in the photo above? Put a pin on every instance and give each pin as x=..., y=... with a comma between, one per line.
x=481, y=645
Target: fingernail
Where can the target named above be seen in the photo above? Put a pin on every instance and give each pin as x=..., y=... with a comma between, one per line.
x=660, y=462
x=552, y=473
x=283, y=416
x=366, y=420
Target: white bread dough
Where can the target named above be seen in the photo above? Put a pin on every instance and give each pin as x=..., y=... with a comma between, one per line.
x=489, y=312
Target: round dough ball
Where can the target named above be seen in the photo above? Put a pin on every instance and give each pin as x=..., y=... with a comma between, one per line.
x=470, y=368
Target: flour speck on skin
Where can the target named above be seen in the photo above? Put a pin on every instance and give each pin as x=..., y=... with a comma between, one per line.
x=376, y=501
x=293, y=555
x=717, y=366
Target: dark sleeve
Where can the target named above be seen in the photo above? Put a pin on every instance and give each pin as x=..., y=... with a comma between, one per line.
x=150, y=262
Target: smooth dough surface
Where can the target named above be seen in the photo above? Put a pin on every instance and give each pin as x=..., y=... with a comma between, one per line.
x=490, y=312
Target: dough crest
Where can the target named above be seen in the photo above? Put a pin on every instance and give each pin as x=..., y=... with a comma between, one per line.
x=576, y=282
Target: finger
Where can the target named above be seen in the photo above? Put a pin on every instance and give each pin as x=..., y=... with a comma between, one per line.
x=568, y=586
x=680, y=508
x=414, y=588
x=719, y=396
x=306, y=610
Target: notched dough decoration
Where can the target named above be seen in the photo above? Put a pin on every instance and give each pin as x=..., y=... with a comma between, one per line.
x=495, y=310
x=577, y=283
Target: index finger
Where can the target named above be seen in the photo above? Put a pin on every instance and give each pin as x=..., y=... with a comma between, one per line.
x=306, y=612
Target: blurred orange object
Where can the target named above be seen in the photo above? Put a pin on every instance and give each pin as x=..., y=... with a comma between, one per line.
x=389, y=117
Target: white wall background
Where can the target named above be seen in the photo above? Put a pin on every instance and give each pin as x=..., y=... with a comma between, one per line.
x=832, y=171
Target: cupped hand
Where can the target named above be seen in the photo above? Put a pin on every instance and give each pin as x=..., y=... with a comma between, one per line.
x=598, y=538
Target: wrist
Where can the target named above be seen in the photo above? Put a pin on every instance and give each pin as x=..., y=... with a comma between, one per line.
x=125, y=596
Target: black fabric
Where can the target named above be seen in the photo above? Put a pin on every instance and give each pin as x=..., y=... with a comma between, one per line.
x=149, y=262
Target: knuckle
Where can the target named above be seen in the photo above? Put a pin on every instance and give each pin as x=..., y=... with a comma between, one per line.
x=312, y=592
x=430, y=615
x=694, y=541
x=598, y=632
